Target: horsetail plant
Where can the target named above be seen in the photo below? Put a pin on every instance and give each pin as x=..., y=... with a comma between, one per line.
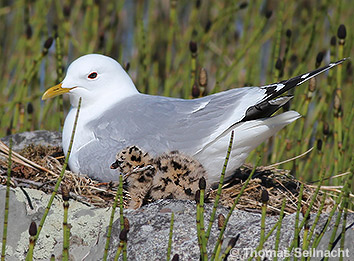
x=50, y=202
x=66, y=229
x=7, y=204
x=221, y=183
x=170, y=238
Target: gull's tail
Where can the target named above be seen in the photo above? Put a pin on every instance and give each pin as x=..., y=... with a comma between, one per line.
x=276, y=89
x=270, y=104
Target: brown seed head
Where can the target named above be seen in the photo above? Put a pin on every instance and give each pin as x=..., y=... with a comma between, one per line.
x=336, y=102
x=333, y=41
x=221, y=221
x=233, y=241
x=193, y=47
x=325, y=128
x=268, y=14
x=342, y=32
x=48, y=43
x=264, y=196
x=126, y=224
x=123, y=235
x=202, y=183
x=319, y=58
x=203, y=77
x=243, y=5
x=28, y=31
x=312, y=84
x=279, y=64
x=197, y=196
x=65, y=192
x=195, y=91
x=288, y=33
x=32, y=229
x=319, y=144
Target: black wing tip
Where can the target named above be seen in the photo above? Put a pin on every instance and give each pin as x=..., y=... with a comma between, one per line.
x=298, y=80
x=339, y=61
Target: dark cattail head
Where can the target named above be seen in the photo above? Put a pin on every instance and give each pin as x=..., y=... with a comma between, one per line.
x=325, y=130
x=202, y=183
x=197, y=196
x=233, y=241
x=319, y=58
x=342, y=32
x=221, y=221
x=243, y=5
x=264, y=196
x=207, y=26
x=268, y=14
x=198, y=4
x=195, y=90
x=193, y=47
x=319, y=144
x=66, y=11
x=203, y=77
x=65, y=192
x=288, y=145
x=288, y=33
x=126, y=224
x=123, y=235
x=30, y=108
x=32, y=229
x=175, y=257
x=333, y=41
x=304, y=210
x=48, y=43
x=279, y=64
x=127, y=66
x=28, y=31
x=312, y=84
x=336, y=102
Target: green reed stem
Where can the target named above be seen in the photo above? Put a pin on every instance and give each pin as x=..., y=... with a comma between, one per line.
x=50, y=202
x=222, y=230
x=119, y=193
x=170, y=237
x=278, y=226
x=66, y=232
x=7, y=204
x=221, y=183
x=204, y=253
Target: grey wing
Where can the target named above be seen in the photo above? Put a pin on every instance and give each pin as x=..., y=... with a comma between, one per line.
x=159, y=124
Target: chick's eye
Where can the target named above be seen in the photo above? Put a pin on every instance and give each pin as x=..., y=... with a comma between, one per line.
x=92, y=75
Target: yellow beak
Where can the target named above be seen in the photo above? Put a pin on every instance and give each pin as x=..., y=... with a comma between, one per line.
x=55, y=91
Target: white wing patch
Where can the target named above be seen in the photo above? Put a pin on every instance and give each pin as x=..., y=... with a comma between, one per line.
x=201, y=106
x=305, y=75
x=279, y=87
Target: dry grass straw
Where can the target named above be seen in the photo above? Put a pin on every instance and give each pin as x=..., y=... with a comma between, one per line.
x=39, y=168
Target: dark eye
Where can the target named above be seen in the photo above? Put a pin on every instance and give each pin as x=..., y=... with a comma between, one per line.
x=92, y=75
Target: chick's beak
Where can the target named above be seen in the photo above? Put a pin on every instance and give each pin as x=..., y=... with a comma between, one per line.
x=55, y=91
x=115, y=165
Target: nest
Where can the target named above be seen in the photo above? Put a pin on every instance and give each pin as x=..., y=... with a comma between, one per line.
x=39, y=167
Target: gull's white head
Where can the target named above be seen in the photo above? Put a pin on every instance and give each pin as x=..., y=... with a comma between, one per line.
x=94, y=77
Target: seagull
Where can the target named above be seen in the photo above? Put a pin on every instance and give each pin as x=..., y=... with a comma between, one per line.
x=114, y=115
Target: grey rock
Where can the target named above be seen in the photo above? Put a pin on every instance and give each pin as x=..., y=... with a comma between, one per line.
x=149, y=230
x=38, y=137
x=149, y=225
x=148, y=235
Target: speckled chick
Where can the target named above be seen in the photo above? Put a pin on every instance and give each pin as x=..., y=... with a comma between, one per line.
x=170, y=175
